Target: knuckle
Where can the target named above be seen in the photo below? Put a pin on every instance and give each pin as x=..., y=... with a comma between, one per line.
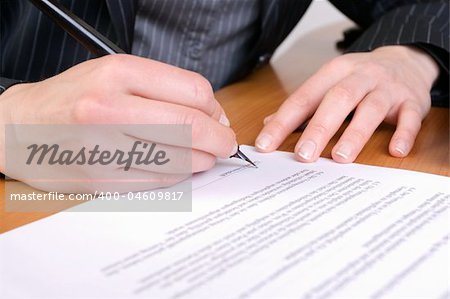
x=201, y=131
x=110, y=65
x=83, y=108
x=341, y=63
x=415, y=109
x=379, y=107
x=341, y=94
x=278, y=126
x=203, y=92
x=319, y=128
x=117, y=59
x=406, y=133
x=357, y=135
x=267, y=119
x=198, y=126
x=87, y=109
x=425, y=103
x=301, y=101
x=186, y=119
x=400, y=92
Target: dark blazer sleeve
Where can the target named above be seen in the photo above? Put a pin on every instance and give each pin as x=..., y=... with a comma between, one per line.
x=33, y=47
x=424, y=24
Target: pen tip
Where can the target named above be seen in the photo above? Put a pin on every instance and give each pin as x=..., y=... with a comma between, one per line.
x=242, y=156
x=254, y=165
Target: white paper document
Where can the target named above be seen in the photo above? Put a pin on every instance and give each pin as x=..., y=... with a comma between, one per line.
x=286, y=229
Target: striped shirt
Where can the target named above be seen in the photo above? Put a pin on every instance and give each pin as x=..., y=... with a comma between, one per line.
x=211, y=37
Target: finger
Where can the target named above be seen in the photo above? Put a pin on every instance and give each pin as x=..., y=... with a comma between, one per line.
x=408, y=126
x=155, y=80
x=180, y=161
x=171, y=123
x=162, y=158
x=368, y=116
x=302, y=127
x=155, y=157
x=268, y=118
x=202, y=161
x=338, y=102
x=298, y=107
x=205, y=133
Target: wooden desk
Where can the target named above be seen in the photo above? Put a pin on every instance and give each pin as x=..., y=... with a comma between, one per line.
x=249, y=101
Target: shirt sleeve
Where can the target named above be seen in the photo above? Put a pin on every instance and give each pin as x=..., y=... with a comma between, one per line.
x=424, y=24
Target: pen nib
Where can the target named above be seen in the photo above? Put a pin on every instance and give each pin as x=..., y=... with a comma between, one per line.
x=242, y=156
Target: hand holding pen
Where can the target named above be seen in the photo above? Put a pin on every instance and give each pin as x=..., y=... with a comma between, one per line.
x=124, y=89
x=99, y=45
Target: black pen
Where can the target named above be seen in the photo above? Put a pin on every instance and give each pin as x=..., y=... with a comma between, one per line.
x=90, y=38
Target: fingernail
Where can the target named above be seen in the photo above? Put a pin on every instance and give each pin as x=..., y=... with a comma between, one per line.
x=401, y=147
x=307, y=149
x=264, y=141
x=344, y=150
x=224, y=120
